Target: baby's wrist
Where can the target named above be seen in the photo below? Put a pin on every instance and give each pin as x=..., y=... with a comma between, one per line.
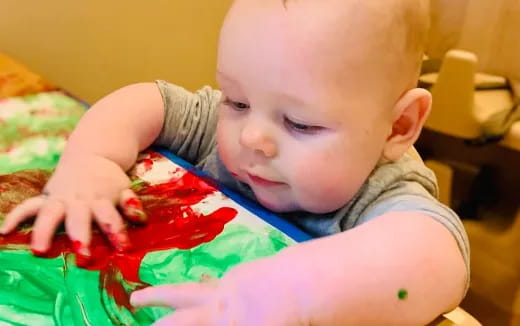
x=301, y=278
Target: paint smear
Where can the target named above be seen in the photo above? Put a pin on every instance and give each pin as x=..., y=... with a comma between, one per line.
x=402, y=294
x=172, y=224
x=41, y=291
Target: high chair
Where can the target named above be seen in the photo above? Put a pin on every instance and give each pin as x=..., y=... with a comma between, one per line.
x=464, y=99
x=457, y=317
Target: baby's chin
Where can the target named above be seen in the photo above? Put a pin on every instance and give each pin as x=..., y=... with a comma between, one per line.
x=318, y=208
x=278, y=207
x=281, y=206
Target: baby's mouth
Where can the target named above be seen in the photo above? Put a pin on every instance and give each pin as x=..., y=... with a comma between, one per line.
x=263, y=182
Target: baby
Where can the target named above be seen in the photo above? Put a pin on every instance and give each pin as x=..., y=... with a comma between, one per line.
x=315, y=119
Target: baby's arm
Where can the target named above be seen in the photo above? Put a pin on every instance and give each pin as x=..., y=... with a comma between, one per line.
x=402, y=268
x=90, y=177
x=119, y=125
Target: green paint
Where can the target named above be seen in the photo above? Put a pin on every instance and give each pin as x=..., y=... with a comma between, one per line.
x=137, y=184
x=34, y=128
x=38, y=291
x=36, y=153
x=402, y=294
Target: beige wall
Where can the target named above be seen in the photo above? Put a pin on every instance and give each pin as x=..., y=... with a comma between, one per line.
x=492, y=31
x=489, y=28
x=93, y=47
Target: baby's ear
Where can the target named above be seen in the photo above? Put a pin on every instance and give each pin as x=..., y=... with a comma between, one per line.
x=409, y=114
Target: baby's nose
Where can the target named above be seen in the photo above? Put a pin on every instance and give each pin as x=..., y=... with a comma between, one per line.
x=258, y=139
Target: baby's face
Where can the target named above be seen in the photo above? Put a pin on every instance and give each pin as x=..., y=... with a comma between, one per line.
x=303, y=133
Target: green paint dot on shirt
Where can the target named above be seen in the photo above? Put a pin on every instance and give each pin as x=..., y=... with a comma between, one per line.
x=402, y=294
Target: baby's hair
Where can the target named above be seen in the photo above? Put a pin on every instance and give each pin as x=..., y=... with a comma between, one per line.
x=411, y=20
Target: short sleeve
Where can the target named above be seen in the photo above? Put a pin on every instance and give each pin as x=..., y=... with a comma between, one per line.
x=190, y=121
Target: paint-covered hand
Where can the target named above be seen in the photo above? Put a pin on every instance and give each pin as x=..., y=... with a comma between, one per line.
x=252, y=294
x=82, y=189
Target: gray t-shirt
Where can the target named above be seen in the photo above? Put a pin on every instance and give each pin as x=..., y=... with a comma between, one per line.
x=405, y=185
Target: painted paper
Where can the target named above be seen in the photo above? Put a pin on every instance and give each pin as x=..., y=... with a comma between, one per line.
x=194, y=231
x=34, y=129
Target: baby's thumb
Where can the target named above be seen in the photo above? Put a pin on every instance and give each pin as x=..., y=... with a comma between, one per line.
x=131, y=207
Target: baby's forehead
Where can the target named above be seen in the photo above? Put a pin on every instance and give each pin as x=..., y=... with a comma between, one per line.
x=369, y=39
x=343, y=43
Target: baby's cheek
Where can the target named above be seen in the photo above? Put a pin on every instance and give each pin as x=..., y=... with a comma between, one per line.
x=321, y=184
x=226, y=148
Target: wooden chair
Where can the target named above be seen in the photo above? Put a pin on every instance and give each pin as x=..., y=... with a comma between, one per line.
x=464, y=99
x=459, y=317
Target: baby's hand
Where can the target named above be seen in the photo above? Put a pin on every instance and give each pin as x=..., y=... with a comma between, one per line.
x=83, y=188
x=251, y=294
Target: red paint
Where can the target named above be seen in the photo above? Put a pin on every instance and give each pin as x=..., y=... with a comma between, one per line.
x=7, y=150
x=38, y=252
x=155, y=155
x=148, y=161
x=114, y=288
x=133, y=210
x=133, y=203
x=148, y=164
x=80, y=248
x=171, y=224
x=82, y=252
x=119, y=240
x=113, y=284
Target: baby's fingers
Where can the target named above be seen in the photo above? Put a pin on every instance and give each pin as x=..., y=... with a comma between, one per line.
x=111, y=223
x=132, y=207
x=50, y=216
x=177, y=296
x=199, y=316
x=79, y=225
x=26, y=209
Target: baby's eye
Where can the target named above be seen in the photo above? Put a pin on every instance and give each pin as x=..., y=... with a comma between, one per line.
x=301, y=128
x=239, y=106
